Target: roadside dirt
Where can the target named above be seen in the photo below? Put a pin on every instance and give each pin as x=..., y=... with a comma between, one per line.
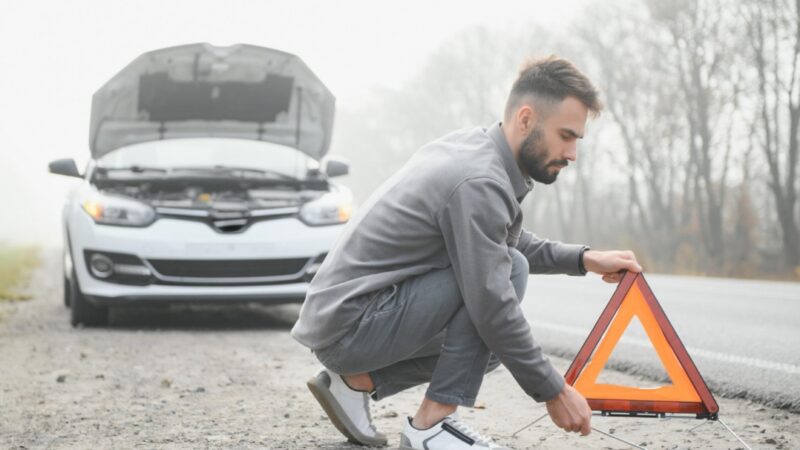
x=234, y=378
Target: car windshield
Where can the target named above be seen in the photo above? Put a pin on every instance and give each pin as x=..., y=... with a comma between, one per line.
x=213, y=154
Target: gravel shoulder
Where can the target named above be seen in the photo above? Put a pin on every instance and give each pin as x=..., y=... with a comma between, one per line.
x=234, y=378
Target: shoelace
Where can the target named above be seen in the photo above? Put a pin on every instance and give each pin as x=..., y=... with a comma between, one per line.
x=466, y=429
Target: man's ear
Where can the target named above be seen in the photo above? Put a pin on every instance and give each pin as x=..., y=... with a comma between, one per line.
x=526, y=118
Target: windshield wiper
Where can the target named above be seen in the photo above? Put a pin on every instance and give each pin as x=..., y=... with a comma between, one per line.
x=237, y=170
x=134, y=168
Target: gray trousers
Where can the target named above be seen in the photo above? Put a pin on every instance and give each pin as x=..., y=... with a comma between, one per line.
x=418, y=331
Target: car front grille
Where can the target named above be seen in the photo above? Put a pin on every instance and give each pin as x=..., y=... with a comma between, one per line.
x=225, y=269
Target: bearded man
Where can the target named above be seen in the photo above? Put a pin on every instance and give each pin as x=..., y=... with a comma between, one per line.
x=425, y=283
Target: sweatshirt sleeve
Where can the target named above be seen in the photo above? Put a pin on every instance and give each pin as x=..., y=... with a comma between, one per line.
x=546, y=256
x=474, y=225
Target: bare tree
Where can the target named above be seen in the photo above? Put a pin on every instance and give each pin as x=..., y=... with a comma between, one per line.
x=705, y=39
x=774, y=36
x=639, y=89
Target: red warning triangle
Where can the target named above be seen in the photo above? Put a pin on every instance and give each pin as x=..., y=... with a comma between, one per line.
x=688, y=392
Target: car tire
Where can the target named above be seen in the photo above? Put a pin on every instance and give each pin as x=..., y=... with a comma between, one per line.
x=84, y=312
x=67, y=291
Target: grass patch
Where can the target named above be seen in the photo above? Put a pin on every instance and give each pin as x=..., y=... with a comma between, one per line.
x=16, y=264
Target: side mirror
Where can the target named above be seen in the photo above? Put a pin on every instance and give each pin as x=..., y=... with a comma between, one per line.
x=65, y=167
x=335, y=167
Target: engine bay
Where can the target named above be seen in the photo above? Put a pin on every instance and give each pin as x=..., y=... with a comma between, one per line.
x=210, y=194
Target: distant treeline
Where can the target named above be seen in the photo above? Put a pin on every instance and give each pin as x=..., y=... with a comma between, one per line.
x=694, y=162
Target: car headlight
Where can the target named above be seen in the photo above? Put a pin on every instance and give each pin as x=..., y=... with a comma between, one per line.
x=110, y=210
x=330, y=209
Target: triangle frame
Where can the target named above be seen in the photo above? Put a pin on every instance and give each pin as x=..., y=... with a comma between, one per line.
x=688, y=394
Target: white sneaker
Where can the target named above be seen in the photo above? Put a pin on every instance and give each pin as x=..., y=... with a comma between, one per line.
x=449, y=434
x=348, y=409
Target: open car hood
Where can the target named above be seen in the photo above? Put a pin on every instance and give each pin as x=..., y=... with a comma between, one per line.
x=199, y=90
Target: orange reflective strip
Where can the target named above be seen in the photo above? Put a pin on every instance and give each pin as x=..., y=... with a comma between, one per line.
x=634, y=304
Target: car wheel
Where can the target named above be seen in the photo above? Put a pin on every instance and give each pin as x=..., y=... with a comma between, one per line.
x=67, y=289
x=83, y=312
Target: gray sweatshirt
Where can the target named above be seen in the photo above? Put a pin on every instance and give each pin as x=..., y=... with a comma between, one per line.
x=456, y=203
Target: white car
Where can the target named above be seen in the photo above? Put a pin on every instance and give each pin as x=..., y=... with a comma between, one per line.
x=207, y=183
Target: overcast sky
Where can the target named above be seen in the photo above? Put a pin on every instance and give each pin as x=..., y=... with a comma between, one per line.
x=57, y=53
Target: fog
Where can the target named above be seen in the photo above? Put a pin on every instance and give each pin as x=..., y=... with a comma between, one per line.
x=694, y=164
x=56, y=54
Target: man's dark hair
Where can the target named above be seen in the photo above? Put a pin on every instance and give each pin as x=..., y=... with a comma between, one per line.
x=548, y=81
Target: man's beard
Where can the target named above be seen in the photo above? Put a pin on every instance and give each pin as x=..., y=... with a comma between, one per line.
x=533, y=155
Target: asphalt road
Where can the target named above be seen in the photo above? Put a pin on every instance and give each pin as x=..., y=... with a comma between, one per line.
x=743, y=335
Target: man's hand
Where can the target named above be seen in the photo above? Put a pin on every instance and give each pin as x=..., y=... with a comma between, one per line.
x=570, y=411
x=610, y=264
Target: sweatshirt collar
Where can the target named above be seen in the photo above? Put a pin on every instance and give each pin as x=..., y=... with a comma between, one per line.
x=521, y=184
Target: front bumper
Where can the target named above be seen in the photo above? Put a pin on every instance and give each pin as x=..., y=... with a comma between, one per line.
x=175, y=239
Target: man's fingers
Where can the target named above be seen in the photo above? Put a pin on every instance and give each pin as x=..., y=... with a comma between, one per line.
x=586, y=426
x=633, y=266
x=570, y=411
x=612, y=277
x=586, y=429
x=568, y=427
x=630, y=263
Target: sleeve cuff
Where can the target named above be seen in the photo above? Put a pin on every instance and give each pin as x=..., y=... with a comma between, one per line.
x=570, y=259
x=581, y=266
x=549, y=387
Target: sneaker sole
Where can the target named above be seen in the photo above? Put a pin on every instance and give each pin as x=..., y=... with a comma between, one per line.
x=405, y=444
x=319, y=387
